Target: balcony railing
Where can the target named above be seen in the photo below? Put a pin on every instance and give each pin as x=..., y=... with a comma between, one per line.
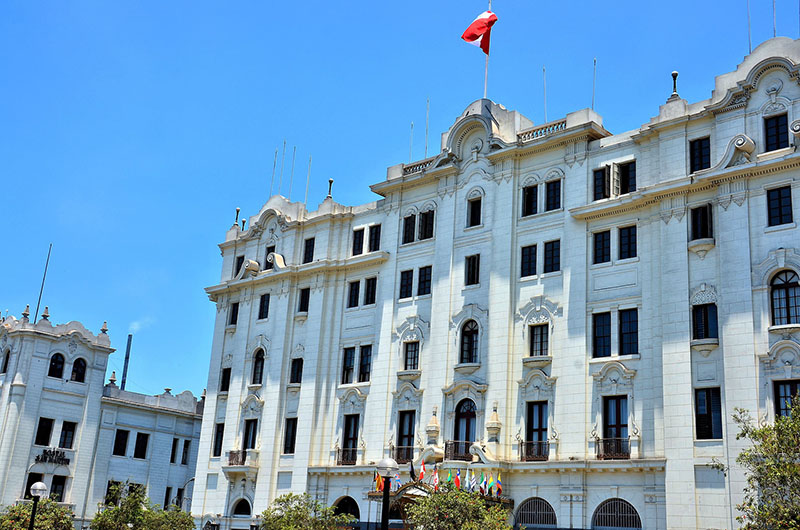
x=403, y=454
x=237, y=458
x=457, y=450
x=347, y=456
x=613, y=449
x=534, y=451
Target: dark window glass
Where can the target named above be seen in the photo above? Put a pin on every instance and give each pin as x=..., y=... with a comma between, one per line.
x=474, y=212
x=552, y=195
x=58, y=487
x=784, y=392
x=225, y=380
x=219, y=434
x=601, y=183
x=374, y=238
x=296, y=372
x=140, y=447
x=120, y=442
x=538, y=339
x=601, y=335
x=353, y=294
x=113, y=491
x=528, y=264
x=627, y=177
x=406, y=281
x=776, y=132
x=370, y=290
x=44, y=431
x=179, y=499
x=466, y=413
x=424, y=280
x=233, y=314
x=185, y=455
x=173, y=455
x=602, y=247
x=6, y=357
x=350, y=431
x=405, y=431
x=529, y=200
x=78, y=371
x=473, y=270
x=700, y=154
x=167, y=497
x=289, y=436
x=250, y=434
x=536, y=424
x=785, y=299
x=704, y=321
x=67, y=434
x=708, y=413
x=305, y=296
x=364, y=363
x=237, y=266
x=426, y=224
x=258, y=368
x=552, y=256
x=308, y=251
x=615, y=417
x=469, y=342
x=33, y=478
x=627, y=242
x=358, y=241
x=411, y=355
x=263, y=306
x=779, y=205
x=702, y=226
x=268, y=265
x=56, y=368
x=408, y=228
x=348, y=363
x=628, y=331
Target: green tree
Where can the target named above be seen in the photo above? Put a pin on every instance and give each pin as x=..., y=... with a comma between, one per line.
x=128, y=508
x=772, y=467
x=454, y=509
x=49, y=516
x=301, y=512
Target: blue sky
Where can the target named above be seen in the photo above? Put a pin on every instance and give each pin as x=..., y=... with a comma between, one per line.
x=130, y=131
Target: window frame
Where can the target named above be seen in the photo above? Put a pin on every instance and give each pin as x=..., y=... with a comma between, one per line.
x=290, y=436
x=424, y=284
x=427, y=223
x=141, y=444
x=370, y=290
x=628, y=337
x=699, y=154
x=411, y=359
x=552, y=195
x=552, y=258
x=528, y=263
x=374, y=238
x=627, y=242
x=233, y=314
x=701, y=222
x=539, y=340
x=44, y=436
x=601, y=343
x=705, y=323
x=66, y=438
x=121, y=438
x=406, y=284
x=348, y=365
x=601, y=247
x=308, y=250
x=217, y=444
x=530, y=200
x=263, y=306
x=358, y=242
x=474, y=205
x=364, y=363
x=708, y=424
x=296, y=371
x=353, y=294
x=783, y=295
x=304, y=300
x=469, y=343
x=779, y=138
x=472, y=270
x=778, y=211
x=409, y=231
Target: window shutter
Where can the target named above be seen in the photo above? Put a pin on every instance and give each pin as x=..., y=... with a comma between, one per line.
x=614, y=170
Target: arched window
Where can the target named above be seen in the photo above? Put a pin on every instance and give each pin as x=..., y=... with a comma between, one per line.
x=536, y=513
x=56, y=366
x=242, y=508
x=465, y=421
x=6, y=356
x=469, y=342
x=785, y=299
x=258, y=367
x=78, y=371
x=613, y=514
x=347, y=506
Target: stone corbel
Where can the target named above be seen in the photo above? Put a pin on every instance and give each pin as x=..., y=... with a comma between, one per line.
x=743, y=147
x=795, y=129
x=277, y=260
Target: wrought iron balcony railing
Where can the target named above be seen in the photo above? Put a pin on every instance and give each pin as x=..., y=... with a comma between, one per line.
x=613, y=448
x=403, y=454
x=534, y=451
x=347, y=456
x=457, y=450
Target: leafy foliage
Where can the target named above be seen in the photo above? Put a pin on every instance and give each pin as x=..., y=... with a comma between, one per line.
x=454, y=509
x=49, y=516
x=301, y=512
x=135, y=512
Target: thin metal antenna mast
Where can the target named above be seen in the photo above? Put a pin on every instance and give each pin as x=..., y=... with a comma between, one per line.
x=308, y=179
x=411, y=144
x=41, y=289
x=544, y=81
x=291, y=177
x=749, y=30
x=274, y=163
x=427, y=121
x=283, y=157
x=594, y=81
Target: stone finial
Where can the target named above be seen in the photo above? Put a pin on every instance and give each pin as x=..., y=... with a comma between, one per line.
x=494, y=424
x=675, y=83
x=167, y=390
x=432, y=429
x=330, y=188
x=27, y=313
x=46, y=314
x=236, y=221
x=104, y=329
x=244, y=221
x=113, y=379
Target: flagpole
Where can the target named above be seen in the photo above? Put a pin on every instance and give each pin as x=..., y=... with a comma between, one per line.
x=486, y=71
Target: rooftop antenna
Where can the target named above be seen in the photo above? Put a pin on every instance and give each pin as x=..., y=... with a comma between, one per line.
x=427, y=120
x=749, y=30
x=308, y=179
x=46, y=263
x=127, y=358
x=544, y=80
x=274, y=163
x=594, y=81
x=283, y=157
x=291, y=177
x=411, y=144
x=330, y=187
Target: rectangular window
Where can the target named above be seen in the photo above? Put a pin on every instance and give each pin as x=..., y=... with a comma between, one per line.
x=168, y=497
x=67, y=434
x=702, y=226
x=424, y=280
x=185, y=455
x=704, y=321
x=263, y=306
x=627, y=242
x=411, y=355
x=538, y=339
x=289, y=436
x=528, y=262
x=405, y=434
x=120, y=443
x=615, y=417
x=44, y=431
x=708, y=413
x=353, y=294
x=250, y=434
x=113, y=492
x=474, y=212
x=305, y=296
x=308, y=250
x=268, y=265
x=552, y=256
x=296, y=371
x=699, y=154
x=219, y=433
x=472, y=270
x=627, y=177
x=408, y=228
x=179, y=499
x=784, y=392
x=776, y=132
x=370, y=290
x=602, y=247
x=173, y=455
x=529, y=200
x=358, y=242
x=628, y=331
x=406, y=281
x=601, y=335
x=225, y=380
x=33, y=478
x=237, y=266
x=350, y=431
x=233, y=314
x=364, y=363
x=140, y=447
x=426, y=225
x=58, y=488
x=348, y=363
x=536, y=424
x=374, y=238
x=602, y=183
x=779, y=204
x=552, y=195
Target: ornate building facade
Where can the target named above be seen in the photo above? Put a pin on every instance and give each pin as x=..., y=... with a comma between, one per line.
x=576, y=311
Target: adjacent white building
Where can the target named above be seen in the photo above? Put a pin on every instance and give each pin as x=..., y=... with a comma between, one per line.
x=576, y=311
x=61, y=425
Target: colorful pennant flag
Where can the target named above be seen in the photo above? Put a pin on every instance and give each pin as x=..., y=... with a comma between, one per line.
x=473, y=483
x=435, y=478
x=479, y=32
x=458, y=479
x=483, y=484
x=499, y=485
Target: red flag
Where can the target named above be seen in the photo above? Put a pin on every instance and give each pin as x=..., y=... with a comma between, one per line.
x=480, y=30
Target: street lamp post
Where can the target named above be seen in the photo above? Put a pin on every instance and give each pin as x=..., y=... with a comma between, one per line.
x=386, y=469
x=38, y=490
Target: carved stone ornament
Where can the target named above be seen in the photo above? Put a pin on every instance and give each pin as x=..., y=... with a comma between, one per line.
x=260, y=341
x=252, y=406
x=73, y=345
x=743, y=148
x=412, y=329
x=352, y=401
x=493, y=425
x=782, y=360
x=614, y=377
x=538, y=310
x=469, y=312
x=298, y=351
x=407, y=396
x=776, y=259
x=795, y=129
x=227, y=360
x=536, y=386
x=705, y=294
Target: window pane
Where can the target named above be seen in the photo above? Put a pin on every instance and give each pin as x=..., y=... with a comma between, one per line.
x=529, y=199
x=365, y=363
x=406, y=281
x=358, y=241
x=627, y=242
x=352, y=297
x=553, y=195
x=374, y=238
x=474, y=212
x=601, y=332
x=602, y=247
x=411, y=355
x=308, y=251
x=628, y=331
x=528, y=264
x=552, y=256
x=424, y=281
x=370, y=290
x=408, y=228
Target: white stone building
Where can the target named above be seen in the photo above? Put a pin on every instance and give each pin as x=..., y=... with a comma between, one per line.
x=575, y=310
x=62, y=426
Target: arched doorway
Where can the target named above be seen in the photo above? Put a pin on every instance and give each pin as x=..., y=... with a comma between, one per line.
x=535, y=513
x=349, y=506
x=614, y=514
x=465, y=421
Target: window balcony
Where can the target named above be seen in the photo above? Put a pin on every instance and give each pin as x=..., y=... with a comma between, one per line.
x=613, y=449
x=534, y=451
x=243, y=462
x=457, y=450
x=403, y=454
x=347, y=456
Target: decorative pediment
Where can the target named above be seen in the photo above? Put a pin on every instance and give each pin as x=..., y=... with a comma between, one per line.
x=465, y=386
x=412, y=329
x=252, y=406
x=259, y=342
x=614, y=377
x=530, y=179
x=554, y=173
x=777, y=259
x=469, y=312
x=705, y=294
x=475, y=193
x=352, y=401
x=407, y=396
x=783, y=359
x=538, y=310
x=537, y=386
x=298, y=352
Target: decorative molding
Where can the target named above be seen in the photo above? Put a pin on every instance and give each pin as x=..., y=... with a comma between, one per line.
x=412, y=329
x=776, y=260
x=705, y=294
x=469, y=312
x=259, y=341
x=252, y=406
x=614, y=377
x=353, y=401
x=298, y=352
x=782, y=359
x=538, y=310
